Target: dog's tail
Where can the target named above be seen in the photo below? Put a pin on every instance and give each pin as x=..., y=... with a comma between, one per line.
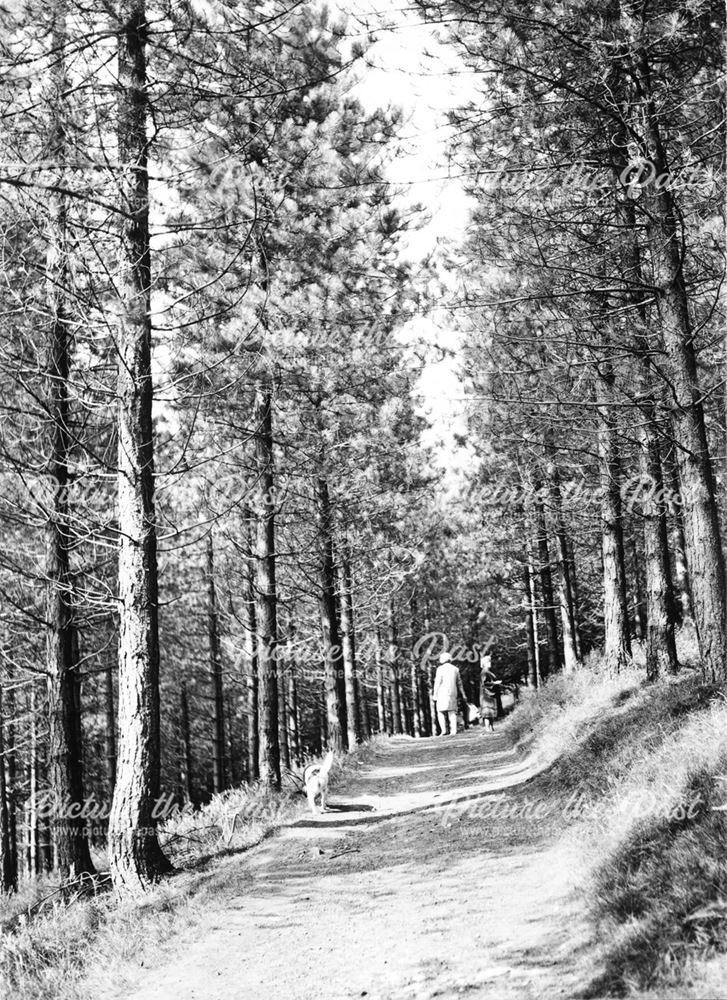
x=326, y=765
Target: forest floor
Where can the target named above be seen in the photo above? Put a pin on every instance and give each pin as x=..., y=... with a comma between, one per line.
x=439, y=871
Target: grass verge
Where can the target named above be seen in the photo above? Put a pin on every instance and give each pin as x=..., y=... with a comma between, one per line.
x=648, y=766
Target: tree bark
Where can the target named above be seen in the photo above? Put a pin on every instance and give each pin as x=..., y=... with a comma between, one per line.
x=265, y=591
x=398, y=722
x=617, y=641
x=33, y=826
x=109, y=731
x=661, y=653
x=8, y=868
x=553, y=662
x=348, y=643
x=683, y=602
x=187, y=781
x=639, y=598
x=705, y=556
x=575, y=590
x=416, y=705
x=215, y=671
x=530, y=627
x=135, y=856
x=380, y=687
x=250, y=655
x=292, y=703
x=65, y=764
x=565, y=585
x=335, y=674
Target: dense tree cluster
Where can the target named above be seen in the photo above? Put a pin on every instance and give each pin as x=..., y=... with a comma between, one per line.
x=225, y=544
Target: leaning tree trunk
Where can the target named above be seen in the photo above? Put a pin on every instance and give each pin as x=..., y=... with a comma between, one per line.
x=64, y=759
x=265, y=591
x=215, y=670
x=135, y=856
x=617, y=640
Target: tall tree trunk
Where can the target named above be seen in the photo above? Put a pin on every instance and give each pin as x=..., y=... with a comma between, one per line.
x=11, y=764
x=678, y=545
x=135, y=856
x=335, y=675
x=33, y=826
x=322, y=721
x=363, y=705
x=417, y=722
x=65, y=765
x=348, y=643
x=661, y=653
x=187, y=774
x=292, y=703
x=251, y=666
x=639, y=598
x=428, y=673
x=705, y=556
x=233, y=750
x=283, y=713
x=265, y=591
x=553, y=662
x=565, y=585
x=109, y=731
x=380, y=686
x=215, y=671
x=396, y=702
x=575, y=591
x=8, y=869
x=617, y=646
x=533, y=595
x=530, y=627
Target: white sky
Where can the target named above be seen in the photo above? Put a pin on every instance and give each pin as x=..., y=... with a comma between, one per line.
x=410, y=67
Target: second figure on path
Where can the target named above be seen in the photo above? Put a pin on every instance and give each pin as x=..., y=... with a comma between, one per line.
x=447, y=689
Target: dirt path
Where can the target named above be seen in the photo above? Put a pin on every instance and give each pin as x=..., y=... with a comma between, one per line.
x=399, y=893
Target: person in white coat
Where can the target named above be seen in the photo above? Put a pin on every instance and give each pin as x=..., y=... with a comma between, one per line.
x=447, y=688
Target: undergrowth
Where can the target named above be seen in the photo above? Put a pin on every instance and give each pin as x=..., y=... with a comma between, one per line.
x=69, y=951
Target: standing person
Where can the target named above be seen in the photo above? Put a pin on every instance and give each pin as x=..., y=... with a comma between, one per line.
x=447, y=686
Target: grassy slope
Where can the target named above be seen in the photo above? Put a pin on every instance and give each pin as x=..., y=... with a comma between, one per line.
x=640, y=764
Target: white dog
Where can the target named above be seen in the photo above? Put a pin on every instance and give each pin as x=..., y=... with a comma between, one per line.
x=315, y=779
